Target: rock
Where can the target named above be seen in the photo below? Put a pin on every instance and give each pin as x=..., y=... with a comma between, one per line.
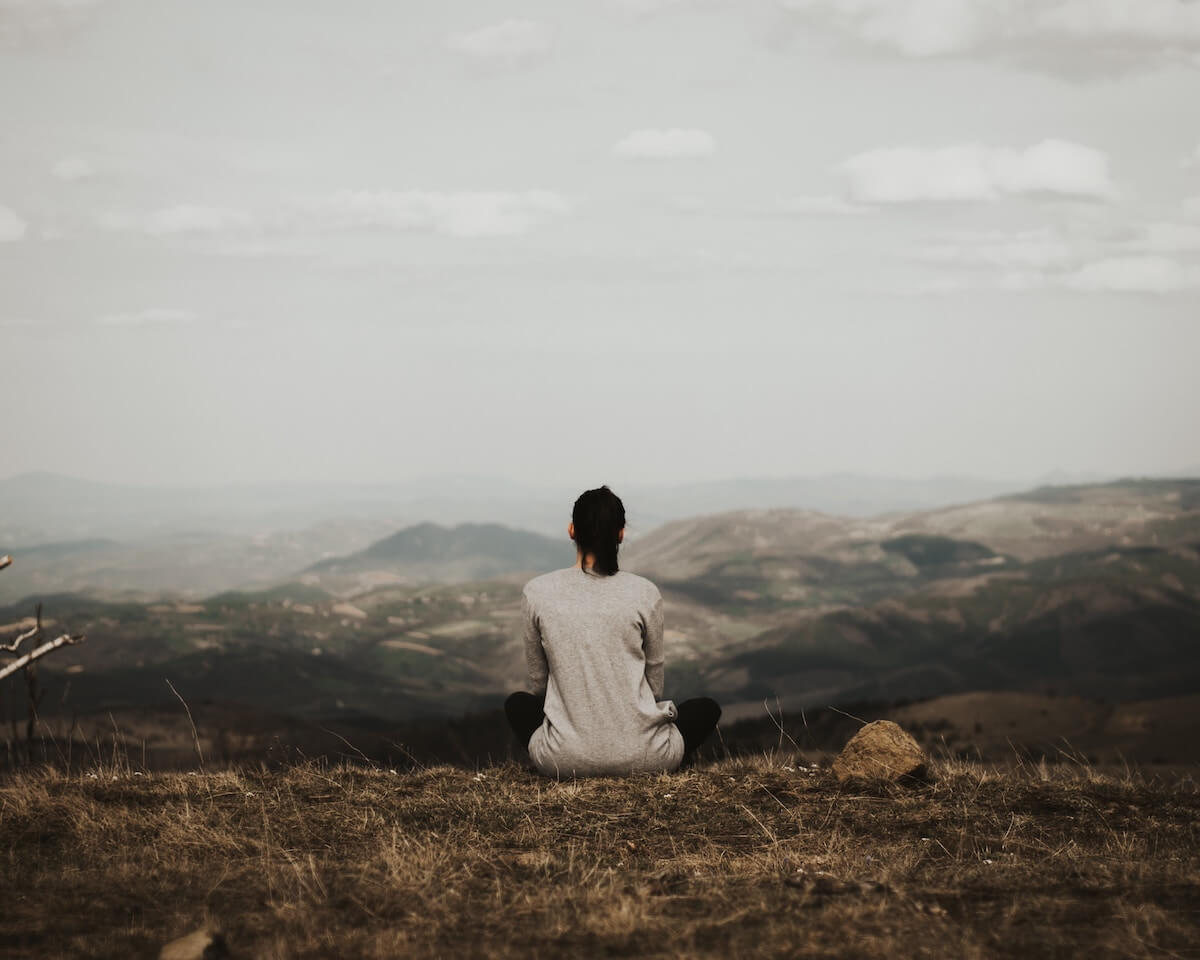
x=202, y=944
x=881, y=751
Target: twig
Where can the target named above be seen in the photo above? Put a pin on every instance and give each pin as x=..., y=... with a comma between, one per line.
x=850, y=715
x=195, y=735
x=32, y=633
x=408, y=754
x=769, y=834
x=350, y=745
x=5, y=561
x=779, y=724
x=41, y=651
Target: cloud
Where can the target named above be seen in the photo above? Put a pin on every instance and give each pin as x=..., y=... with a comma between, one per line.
x=1167, y=238
x=1144, y=274
x=668, y=144
x=822, y=206
x=34, y=22
x=153, y=316
x=1108, y=30
x=73, y=168
x=181, y=218
x=1191, y=206
x=976, y=172
x=1157, y=257
x=1040, y=249
x=510, y=42
x=469, y=214
x=648, y=7
x=465, y=214
x=195, y=218
x=12, y=227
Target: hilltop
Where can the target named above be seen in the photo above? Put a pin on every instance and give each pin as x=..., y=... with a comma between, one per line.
x=430, y=552
x=756, y=857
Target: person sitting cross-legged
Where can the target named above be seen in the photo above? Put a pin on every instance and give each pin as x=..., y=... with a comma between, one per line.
x=594, y=650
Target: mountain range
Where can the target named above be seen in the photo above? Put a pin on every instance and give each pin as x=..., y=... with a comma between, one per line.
x=1083, y=590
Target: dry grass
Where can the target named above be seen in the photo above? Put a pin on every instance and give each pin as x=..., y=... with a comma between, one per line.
x=746, y=857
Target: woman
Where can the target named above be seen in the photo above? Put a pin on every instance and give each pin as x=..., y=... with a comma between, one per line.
x=594, y=649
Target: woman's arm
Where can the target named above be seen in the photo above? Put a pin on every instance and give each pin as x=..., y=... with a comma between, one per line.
x=535, y=654
x=652, y=645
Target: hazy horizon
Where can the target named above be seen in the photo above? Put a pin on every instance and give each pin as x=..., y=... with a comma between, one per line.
x=629, y=241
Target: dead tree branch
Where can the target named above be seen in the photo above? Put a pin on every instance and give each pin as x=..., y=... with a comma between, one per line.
x=30, y=634
x=65, y=640
x=5, y=561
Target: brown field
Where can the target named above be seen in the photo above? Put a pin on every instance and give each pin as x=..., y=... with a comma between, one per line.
x=759, y=856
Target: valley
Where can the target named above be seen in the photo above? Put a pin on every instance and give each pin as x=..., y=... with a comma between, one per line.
x=1090, y=592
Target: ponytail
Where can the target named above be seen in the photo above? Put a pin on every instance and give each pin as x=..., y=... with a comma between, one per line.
x=598, y=517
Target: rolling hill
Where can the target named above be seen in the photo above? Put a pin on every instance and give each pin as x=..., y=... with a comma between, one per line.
x=430, y=552
x=1090, y=591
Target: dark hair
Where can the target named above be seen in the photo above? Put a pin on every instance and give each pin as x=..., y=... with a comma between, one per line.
x=598, y=517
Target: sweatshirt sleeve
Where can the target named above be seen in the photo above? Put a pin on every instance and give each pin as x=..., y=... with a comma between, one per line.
x=652, y=645
x=535, y=654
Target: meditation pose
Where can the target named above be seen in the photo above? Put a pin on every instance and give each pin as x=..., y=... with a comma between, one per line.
x=594, y=649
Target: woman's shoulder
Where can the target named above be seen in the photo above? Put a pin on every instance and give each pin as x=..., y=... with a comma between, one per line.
x=642, y=585
x=550, y=581
x=634, y=583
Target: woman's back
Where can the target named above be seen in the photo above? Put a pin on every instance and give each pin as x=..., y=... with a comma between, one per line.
x=596, y=643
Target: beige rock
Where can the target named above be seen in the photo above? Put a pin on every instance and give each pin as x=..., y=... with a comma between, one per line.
x=881, y=750
x=203, y=944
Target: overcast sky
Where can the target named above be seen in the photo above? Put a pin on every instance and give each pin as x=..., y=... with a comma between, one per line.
x=602, y=241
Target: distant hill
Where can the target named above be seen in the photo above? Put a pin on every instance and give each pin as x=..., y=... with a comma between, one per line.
x=47, y=507
x=1086, y=590
x=192, y=565
x=430, y=552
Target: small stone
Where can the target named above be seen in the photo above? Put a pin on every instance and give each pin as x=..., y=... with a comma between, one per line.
x=881, y=750
x=202, y=944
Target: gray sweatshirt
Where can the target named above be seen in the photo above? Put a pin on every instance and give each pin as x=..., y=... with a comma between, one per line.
x=594, y=644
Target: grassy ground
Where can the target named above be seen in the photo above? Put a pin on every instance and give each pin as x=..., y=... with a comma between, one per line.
x=748, y=857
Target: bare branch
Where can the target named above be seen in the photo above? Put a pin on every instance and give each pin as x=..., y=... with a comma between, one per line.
x=45, y=648
x=5, y=561
x=35, y=632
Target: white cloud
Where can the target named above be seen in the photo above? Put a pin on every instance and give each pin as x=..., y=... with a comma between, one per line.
x=182, y=218
x=470, y=214
x=1145, y=274
x=1041, y=249
x=17, y=322
x=152, y=316
x=1156, y=257
x=1168, y=238
x=12, y=227
x=1153, y=21
x=1192, y=160
x=466, y=214
x=933, y=286
x=1099, y=29
x=668, y=144
x=31, y=22
x=647, y=7
x=194, y=218
x=73, y=168
x=1191, y=206
x=976, y=172
x=823, y=206
x=510, y=42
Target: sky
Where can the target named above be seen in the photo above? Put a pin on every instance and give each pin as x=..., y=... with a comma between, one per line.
x=650, y=241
